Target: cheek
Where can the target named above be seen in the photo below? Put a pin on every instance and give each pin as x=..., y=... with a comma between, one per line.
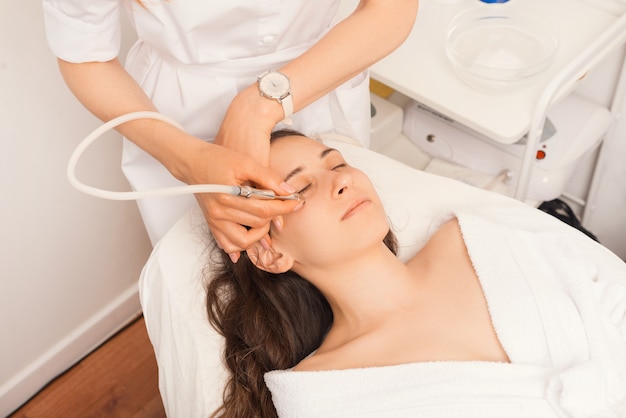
x=314, y=237
x=306, y=234
x=307, y=226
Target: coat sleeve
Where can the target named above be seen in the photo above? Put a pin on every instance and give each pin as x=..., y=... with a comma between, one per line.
x=83, y=31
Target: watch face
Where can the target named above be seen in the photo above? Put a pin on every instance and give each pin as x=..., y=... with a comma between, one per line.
x=274, y=85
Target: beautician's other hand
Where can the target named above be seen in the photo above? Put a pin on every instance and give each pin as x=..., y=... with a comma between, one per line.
x=248, y=124
x=246, y=129
x=236, y=222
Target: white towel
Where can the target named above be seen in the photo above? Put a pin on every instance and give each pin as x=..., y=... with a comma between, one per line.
x=434, y=389
x=560, y=317
x=580, y=307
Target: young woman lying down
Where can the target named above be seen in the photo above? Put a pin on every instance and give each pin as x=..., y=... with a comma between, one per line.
x=486, y=320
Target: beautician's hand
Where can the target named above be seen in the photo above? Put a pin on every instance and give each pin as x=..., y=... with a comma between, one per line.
x=236, y=222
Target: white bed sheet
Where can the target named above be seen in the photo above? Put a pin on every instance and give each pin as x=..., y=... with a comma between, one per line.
x=171, y=287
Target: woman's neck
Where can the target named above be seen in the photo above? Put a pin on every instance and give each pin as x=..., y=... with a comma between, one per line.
x=365, y=290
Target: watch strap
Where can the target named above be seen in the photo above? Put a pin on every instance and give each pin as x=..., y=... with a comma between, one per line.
x=287, y=104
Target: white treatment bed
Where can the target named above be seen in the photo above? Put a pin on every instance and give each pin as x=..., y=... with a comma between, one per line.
x=172, y=294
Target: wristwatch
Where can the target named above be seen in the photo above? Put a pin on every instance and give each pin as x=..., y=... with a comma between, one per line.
x=275, y=86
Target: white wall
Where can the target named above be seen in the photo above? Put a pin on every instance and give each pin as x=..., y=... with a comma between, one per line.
x=69, y=262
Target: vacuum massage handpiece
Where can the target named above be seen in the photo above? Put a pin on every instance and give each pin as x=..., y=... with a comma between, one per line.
x=250, y=192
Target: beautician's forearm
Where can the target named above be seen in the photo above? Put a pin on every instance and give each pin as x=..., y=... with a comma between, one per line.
x=375, y=29
x=108, y=91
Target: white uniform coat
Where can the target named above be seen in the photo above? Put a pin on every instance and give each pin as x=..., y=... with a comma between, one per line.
x=192, y=57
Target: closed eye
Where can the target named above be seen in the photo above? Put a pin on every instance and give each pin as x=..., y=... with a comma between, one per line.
x=303, y=190
x=308, y=186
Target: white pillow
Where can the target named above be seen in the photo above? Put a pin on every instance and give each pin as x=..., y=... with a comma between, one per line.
x=189, y=351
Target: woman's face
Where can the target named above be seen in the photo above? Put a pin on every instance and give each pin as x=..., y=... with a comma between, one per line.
x=342, y=214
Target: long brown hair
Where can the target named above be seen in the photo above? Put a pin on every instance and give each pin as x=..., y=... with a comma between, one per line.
x=269, y=322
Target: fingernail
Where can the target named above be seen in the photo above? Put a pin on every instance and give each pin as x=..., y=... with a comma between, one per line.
x=278, y=223
x=234, y=257
x=265, y=243
x=287, y=187
x=298, y=206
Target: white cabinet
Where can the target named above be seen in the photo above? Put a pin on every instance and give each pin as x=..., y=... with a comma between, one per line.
x=586, y=30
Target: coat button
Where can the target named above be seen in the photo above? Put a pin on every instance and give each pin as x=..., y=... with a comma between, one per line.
x=268, y=39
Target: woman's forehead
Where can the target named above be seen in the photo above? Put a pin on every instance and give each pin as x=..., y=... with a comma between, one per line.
x=296, y=141
x=294, y=147
x=289, y=152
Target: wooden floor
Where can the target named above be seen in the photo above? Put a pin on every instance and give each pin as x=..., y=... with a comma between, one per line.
x=119, y=379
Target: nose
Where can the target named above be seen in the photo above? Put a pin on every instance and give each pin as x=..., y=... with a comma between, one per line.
x=341, y=184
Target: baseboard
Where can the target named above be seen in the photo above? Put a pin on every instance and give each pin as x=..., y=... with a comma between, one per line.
x=69, y=350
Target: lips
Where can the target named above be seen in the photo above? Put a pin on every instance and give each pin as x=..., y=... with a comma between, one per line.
x=355, y=207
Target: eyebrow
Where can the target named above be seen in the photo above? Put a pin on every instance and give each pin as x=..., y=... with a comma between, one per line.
x=299, y=169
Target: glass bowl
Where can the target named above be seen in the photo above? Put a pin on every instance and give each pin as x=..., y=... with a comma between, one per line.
x=495, y=46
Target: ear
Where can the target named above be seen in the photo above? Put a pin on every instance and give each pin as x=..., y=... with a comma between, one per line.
x=269, y=260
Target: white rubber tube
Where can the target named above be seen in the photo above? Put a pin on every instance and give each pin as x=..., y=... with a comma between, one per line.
x=134, y=195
